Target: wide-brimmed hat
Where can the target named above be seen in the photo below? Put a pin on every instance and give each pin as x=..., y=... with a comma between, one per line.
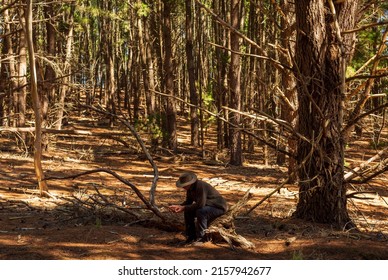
x=186, y=179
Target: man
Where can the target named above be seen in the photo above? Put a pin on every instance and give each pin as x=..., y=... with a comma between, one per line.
x=203, y=203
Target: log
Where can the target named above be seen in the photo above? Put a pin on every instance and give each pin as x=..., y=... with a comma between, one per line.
x=223, y=227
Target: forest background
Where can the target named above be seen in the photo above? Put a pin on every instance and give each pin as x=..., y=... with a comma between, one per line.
x=287, y=99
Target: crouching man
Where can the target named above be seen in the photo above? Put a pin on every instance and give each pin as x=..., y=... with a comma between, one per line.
x=203, y=204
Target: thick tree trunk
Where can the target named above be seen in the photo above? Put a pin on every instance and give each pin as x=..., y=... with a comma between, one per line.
x=319, y=59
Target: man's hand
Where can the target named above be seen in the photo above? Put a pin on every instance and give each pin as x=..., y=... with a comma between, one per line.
x=176, y=208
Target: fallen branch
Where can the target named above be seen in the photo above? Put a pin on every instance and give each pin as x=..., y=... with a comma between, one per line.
x=354, y=173
x=355, y=195
x=108, y=203
x=266, y=197
x=154, y=209
x=142, y=145
x=380, y=170
x=64, y=132
x=224, y=226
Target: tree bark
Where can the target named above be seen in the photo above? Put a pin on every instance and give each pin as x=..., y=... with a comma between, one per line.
x=319, y=63
x=221, y=92
x=49, y=75
x=148, y=76
x=43, y=188
x=8, y=73
x=169, y=135
x=66, y=70
x=289, y=108
x=235, y=83
x=191, y=73
x=21, y=92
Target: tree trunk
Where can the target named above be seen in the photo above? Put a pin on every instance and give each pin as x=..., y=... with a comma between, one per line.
x=21, y=92
x=191, y=73
x=253, y=30
x=221, y=74
x=148, y=76
x=289, y=107
x=8, y=72
x=169, y=135
x=235, y=82
x=66, y=70
x=36, y=103
x=49, y=75
x=319, y=59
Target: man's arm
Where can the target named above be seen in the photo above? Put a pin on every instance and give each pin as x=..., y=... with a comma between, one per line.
x=200, y=198
x=189, y=199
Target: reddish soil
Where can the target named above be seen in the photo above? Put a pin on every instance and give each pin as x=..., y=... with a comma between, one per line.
x=58, y=227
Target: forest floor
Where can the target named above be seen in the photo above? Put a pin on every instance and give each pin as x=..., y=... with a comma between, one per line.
x=58, y=227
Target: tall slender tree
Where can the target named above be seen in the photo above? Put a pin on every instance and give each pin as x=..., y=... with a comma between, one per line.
x=290, y=101
x=65, y=86
x=170, y=127
x=147, y=69
x=35, y=100
x=191, y=73
x=235, y=84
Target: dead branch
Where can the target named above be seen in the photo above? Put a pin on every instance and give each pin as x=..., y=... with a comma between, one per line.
x=380, y=170
x=224, y=226
x=107, y=202
x=361, y=77
x=278, y=64
x=154, y=209
x=91, y=206
x=64, y=132
x=356, y=120
x=355, y=195
x=366, y=95
x=365, y=27
x=267, y=196
x=286, y=125
x=42, y=184
x=242, y=129
x=142, y=145
x=358, y=170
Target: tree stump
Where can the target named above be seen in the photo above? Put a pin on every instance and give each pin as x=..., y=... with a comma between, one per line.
x=223, y=227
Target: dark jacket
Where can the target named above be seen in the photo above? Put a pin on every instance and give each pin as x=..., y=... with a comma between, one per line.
x=202, y=194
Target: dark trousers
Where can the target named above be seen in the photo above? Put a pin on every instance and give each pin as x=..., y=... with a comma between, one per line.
x=204, y=216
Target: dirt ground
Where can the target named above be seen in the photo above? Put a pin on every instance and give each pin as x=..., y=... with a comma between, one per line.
x=58, y=227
